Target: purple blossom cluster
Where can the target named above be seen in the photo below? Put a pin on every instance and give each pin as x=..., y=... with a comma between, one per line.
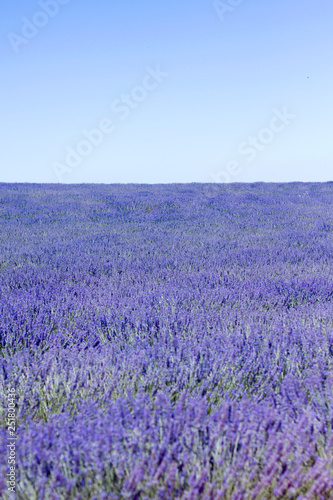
x=168, y=341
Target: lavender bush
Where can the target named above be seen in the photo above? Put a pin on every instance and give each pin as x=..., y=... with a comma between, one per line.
x=168, y=341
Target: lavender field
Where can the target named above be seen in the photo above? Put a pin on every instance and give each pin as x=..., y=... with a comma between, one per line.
x=168, y=341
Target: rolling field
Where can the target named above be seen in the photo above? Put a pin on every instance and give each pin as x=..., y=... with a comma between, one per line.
x=167, y=341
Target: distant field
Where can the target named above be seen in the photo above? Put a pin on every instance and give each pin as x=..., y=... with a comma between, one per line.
x=167, y=341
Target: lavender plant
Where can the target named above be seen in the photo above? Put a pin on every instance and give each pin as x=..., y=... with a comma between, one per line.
x=168, y=344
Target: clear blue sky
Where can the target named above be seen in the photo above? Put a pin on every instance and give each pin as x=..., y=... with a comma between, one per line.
x=181, y=91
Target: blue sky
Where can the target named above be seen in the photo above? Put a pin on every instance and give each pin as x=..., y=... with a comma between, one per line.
x=177, y=91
